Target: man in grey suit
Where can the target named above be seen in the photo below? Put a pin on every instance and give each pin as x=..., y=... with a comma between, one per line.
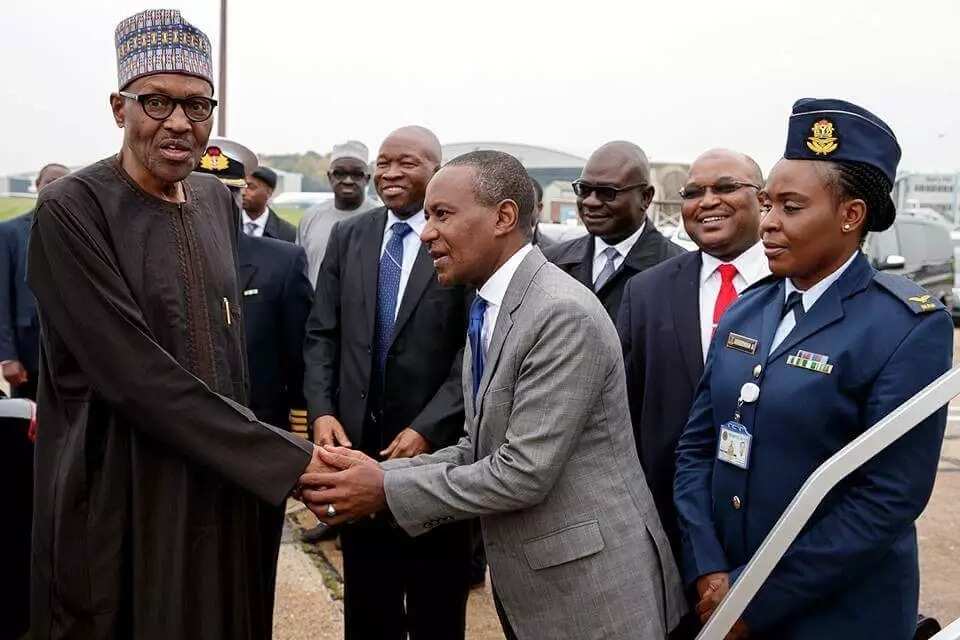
x=548, y=461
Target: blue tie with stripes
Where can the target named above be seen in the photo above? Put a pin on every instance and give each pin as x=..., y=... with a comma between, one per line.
x=388, y=289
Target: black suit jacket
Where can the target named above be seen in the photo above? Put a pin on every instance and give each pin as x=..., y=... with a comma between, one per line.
x=421, y=387
x=277, y=297
x=19, y=321
x=278, y=228
x=576, y=258
x=659, y=326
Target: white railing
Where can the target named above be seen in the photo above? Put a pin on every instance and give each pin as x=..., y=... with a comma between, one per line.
x=828, y=475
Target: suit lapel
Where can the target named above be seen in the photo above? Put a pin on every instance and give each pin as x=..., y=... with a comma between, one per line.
x=370, y=243
x=270, y=226
x=583, y=270
x=685, y=302
x=420, y=278
x=247, y=271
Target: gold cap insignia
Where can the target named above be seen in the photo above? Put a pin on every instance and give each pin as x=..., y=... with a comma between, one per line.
x=823, y=141
x=214, y=160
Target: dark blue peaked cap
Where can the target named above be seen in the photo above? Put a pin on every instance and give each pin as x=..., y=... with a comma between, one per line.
x=840, y=131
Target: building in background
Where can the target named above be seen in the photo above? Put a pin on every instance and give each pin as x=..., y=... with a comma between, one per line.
x=556, y=170
x=937, y=191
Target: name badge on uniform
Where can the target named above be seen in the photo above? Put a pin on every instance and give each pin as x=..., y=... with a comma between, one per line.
x=251, y=292
x=741, y=343
x=734, y=445
x=811, y=362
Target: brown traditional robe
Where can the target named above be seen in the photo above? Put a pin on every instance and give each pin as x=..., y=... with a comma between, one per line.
x=149, y=474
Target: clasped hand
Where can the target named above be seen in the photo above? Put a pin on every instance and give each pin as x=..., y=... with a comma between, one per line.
x=349, y=480
x=712, y=589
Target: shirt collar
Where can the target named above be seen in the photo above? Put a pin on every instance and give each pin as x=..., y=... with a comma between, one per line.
x=813, y=294
x=623, y=247
x=495, y=288
x=752, y=264
x=260, y=221
x=417, y=221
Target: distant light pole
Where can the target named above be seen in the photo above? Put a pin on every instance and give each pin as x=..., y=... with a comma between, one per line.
x=222, y=115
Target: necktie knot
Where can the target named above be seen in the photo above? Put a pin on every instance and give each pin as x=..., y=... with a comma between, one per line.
x=251, y=228
x=727, y=273
x=477, y=308
x=400, y=229
x=609, y=267
x=794, y=303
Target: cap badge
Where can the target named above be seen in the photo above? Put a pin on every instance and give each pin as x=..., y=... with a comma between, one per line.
x=213, y=160
x=823, y=141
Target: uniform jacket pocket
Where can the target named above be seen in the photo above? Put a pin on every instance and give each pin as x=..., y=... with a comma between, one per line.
x=566, y=545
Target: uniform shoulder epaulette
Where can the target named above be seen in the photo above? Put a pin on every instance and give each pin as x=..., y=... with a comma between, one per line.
x=917, y=299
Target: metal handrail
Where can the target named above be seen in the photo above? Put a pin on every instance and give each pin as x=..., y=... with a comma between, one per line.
x=826, y=477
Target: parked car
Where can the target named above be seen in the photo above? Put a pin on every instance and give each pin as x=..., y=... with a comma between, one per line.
x=680, y=238
x=920, y=247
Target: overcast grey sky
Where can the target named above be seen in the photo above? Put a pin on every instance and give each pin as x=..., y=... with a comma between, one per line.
x=675, y=76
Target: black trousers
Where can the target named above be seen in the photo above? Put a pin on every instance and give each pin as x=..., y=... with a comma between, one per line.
x=16, y=477
x=395, y=584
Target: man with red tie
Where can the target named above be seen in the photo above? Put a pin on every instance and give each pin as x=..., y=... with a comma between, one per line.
x=669, y=313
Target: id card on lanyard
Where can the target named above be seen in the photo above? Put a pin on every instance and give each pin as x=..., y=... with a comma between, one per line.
x=733, y=446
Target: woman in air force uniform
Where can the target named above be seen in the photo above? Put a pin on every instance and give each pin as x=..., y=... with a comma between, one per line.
x=802, y=364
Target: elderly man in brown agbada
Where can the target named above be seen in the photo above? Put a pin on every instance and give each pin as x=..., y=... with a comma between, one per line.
x=149, y=473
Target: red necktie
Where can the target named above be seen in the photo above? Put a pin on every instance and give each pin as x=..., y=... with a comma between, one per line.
x=727, y=293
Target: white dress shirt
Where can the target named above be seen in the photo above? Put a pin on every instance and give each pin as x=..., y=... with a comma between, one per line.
x=808, y=299
x=260, y=221
x=411, y=245
x=751, y=266
x=495, y=288
x=623, y=248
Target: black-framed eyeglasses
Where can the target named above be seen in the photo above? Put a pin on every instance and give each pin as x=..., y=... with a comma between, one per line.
x=342, y=174
x=603, y=193
x=695, y=191
x=160, y=106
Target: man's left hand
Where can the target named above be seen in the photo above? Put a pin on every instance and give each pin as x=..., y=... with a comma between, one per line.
x=354, y=492
x=407, y=444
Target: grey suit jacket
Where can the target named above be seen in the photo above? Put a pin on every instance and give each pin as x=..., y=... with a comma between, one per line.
x=548, y=463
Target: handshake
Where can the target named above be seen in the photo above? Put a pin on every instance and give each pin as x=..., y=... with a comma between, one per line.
x=341, y=485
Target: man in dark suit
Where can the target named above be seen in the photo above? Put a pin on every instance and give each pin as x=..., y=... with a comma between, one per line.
x=258, y=219
x=669, y=313
x=382, y=375
x=276, y=302
x=19, y=322
x=613, y=194
x=538, y=238
x=20, y=353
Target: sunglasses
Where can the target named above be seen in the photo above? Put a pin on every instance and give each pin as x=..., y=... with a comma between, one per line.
x=603, y=193
x=695, y=191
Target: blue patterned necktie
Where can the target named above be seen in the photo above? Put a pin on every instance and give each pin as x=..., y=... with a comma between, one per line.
x=388, y=289
x=251, y=228
x=475, y=333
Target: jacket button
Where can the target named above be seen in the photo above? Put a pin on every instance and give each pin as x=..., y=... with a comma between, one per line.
x=363, y=395
x=736, y=502
x=757, y=370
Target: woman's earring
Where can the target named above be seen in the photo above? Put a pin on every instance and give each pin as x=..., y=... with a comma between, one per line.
x=846, y=227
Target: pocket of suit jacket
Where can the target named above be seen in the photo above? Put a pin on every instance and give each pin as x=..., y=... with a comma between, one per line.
x=570, y=543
